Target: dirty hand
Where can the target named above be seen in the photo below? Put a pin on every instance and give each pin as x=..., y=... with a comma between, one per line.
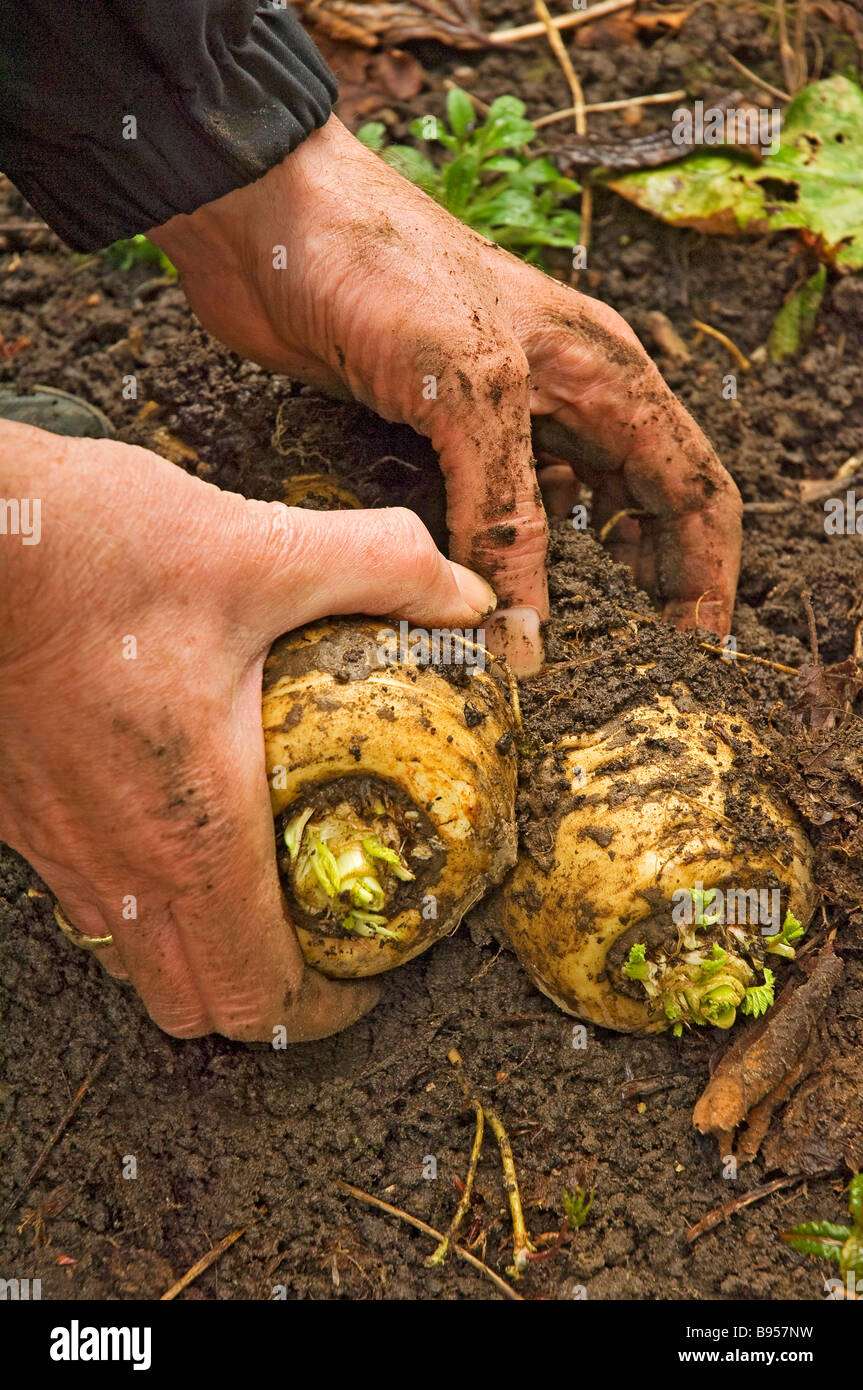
x=131, y=746
x=336, y=270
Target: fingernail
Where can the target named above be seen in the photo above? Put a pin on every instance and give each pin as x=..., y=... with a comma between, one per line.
x=515, y=633
x=474, y=590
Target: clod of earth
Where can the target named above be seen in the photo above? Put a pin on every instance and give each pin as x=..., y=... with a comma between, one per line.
x=392, y=775
x=677, y=879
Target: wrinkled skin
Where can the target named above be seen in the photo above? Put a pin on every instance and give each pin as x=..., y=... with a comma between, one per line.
x=145, y=777
x=382, y=289
x=137, y=771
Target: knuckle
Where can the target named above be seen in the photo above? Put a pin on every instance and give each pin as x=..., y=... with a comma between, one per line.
x=191, y=1024
x=407, y=537
x=278, y=526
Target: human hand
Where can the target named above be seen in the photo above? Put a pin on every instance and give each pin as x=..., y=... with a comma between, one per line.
x=336, y=270
x=131, y=653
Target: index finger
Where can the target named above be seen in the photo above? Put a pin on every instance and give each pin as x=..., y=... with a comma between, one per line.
x=480, y=426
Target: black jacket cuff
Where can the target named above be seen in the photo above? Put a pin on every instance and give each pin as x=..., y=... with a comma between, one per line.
x=117, y=114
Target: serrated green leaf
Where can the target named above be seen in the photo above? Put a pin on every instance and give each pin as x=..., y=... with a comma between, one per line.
x=813, y=182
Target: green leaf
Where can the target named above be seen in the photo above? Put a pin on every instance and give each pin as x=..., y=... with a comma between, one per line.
x=459, y=110
x=820, y=1228
x=792, y=328
x=372, y=135
x=813, y=1239
x=576, y=1207
x=137, y=250
x=458, y=180
x=514, y=199
x=715, y=962
x=855, y=1198
x=501, y=164
x=813, y=182
x=511, y=208
x=636, y=967
x=506, y=134
x=757, y=1000
x=505, y=108
x=851, y=1259
x=414, y=166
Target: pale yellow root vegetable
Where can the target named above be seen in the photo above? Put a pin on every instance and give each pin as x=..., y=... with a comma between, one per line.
x=666, y=825
x=318, y=491
x=392, y=781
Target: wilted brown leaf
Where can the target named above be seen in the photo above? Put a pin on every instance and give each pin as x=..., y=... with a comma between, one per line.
x=825, y=691
x=822, y=1126
x=663, y=19
x=615, y=32
x=454, y=22
x=369, y=81
x=845, y=16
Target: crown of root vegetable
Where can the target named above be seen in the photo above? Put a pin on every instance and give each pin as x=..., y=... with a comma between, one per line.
x=676, y=880
x=393, y=786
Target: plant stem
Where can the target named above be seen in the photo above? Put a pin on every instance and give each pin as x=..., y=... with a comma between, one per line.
x=476, y=1149
x=506, y=1289
x=521, y=1243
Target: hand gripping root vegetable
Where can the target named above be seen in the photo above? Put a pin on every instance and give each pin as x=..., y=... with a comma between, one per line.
x=392, y=779
x=676, y=878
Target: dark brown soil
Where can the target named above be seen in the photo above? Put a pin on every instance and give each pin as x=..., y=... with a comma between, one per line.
x=228, y=1136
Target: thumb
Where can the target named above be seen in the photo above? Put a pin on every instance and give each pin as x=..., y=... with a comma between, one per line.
x=305, y=565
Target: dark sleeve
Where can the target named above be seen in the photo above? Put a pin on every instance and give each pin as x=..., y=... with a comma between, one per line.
x=117, y=114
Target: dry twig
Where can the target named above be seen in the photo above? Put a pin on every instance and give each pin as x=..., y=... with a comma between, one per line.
x=558, y=48
x=564, y=21
x=200, y=1265
x=39, y=1165
x=506, y=1289
x=723, y=338
x=719, y=1214
x=621, y=104
x=759, y=81
x=786, y=52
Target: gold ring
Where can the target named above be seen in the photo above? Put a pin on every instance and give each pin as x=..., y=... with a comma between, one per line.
x=87, y=943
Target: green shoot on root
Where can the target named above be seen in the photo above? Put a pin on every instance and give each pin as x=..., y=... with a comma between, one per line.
x=338, y=868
